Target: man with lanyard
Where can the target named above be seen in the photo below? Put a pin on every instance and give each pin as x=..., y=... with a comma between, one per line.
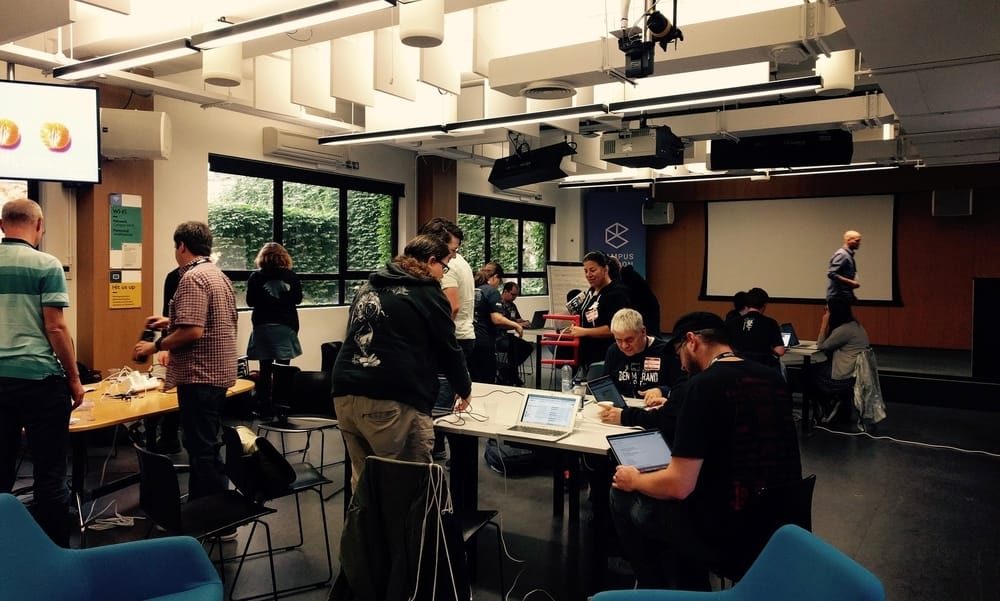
x=734, y=434
x=201, y=338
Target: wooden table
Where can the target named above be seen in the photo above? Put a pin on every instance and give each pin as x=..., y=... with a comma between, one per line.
x=101, y=410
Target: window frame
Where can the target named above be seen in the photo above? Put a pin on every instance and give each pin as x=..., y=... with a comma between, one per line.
x=488, y=208
x=279, y=174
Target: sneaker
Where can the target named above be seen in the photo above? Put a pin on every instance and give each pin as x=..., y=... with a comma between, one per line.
x=228, y=535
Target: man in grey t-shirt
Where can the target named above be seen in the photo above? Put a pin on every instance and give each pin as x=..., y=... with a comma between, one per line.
x=843, y=271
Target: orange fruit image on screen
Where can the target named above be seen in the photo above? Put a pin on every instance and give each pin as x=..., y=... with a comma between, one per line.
x=55, y=136
x=10, y=135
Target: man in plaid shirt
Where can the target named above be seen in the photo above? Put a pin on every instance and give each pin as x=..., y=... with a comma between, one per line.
x=201, y=339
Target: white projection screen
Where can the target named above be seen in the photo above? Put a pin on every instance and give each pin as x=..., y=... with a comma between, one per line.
x=784, y=246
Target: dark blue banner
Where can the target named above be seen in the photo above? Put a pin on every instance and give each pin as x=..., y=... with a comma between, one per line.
x=613, y=225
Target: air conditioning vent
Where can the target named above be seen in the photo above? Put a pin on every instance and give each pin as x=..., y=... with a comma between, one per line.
x=548, y=90
x=304, y=148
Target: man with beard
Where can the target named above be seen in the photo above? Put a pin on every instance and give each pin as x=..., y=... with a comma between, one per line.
x=734, y=435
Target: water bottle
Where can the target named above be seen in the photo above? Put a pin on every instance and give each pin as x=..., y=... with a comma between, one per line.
x=566, y=378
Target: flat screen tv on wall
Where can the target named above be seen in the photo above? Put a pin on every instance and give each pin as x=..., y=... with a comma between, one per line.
x=49, y=132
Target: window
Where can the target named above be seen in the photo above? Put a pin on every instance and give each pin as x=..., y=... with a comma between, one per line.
x=515, y=235
x=337, y=228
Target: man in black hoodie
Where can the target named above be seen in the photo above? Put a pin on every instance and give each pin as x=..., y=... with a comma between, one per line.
x=400, y=335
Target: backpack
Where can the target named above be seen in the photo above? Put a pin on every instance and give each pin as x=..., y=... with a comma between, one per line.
x=510, y=460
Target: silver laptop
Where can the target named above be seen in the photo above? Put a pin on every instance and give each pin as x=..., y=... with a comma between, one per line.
x=646, y=450
x=546, y=416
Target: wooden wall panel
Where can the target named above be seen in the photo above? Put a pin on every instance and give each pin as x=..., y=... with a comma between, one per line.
x=105, y=337
x=937, y=257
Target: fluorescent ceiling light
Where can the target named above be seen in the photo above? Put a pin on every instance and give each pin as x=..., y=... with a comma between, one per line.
x=124, y=60
x=383, y=135
x=757, y=90
x=571, y=112
x=607, y=183
x=301, y=18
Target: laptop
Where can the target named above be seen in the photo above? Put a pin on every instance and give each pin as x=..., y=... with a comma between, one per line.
x=646, y=450
x=790, y=340
x=546, y=416
x=788, y=335
x=604, y=389
x=538, y=320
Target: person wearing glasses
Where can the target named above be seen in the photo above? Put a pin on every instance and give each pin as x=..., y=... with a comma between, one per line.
x=400, y=335
x=488, y=317
x=734, y=435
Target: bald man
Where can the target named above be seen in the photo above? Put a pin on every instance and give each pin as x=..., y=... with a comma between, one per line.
x=39, y=381
x=843, y=269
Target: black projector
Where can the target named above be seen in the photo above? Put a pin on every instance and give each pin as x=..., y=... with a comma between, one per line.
x=531, y=167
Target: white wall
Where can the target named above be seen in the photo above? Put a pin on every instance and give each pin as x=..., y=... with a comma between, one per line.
x=181, y=187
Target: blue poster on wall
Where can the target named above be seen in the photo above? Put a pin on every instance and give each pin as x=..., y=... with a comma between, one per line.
x=613, y=225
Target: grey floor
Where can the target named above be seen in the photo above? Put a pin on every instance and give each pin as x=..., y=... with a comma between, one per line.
x=922, y=518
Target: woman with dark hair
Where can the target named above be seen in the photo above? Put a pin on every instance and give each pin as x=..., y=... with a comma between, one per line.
x=273, y=291
x=400, y=335
x=488, y=314
x=600, y=302
x=842, y=339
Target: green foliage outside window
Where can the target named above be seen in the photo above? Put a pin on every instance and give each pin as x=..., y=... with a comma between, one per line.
x=240, y=213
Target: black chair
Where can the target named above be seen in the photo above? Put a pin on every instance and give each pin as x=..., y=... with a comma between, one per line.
x=767, y=510
x=256, y=475
x=469, y=522
x=206, y=518
x=392, y=552
x=305, y=406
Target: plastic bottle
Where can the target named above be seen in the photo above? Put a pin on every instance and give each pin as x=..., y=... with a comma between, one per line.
x=566, y=378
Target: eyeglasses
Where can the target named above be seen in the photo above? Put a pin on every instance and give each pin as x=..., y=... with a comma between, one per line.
x=678, y=346
x=444, y=266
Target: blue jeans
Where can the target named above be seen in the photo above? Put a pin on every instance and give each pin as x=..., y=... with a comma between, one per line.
x=201, y=424
x=659, y=539
x=41, y=408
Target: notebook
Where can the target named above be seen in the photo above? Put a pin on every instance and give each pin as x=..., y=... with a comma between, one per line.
x=604, y=389
x=646, y=450
x=538, y=320
x=546, y=416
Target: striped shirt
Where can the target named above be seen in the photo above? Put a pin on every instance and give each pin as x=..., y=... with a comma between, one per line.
x=29, y=281
x=205, y=299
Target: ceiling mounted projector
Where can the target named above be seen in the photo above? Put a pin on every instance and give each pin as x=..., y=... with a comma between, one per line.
x=531, y=167
x=654, y=147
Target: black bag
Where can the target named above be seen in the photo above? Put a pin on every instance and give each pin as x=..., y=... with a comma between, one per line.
x=268, y=472
x=510, y=460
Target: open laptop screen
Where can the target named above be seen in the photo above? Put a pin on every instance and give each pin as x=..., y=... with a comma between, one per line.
x=793, y=340
x=546, y=410
x=604, y=389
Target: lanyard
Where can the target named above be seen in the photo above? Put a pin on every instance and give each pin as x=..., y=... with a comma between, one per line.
x=724, y=355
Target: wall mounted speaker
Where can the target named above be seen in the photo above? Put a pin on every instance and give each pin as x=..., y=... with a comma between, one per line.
x=657, y=212
x=135, y=134
x=951, y=203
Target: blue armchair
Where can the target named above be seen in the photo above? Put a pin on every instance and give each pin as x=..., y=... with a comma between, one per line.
x=174, y=568
x=795, y=565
